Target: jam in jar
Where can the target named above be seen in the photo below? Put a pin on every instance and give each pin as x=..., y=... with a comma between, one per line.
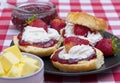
x=45, y=11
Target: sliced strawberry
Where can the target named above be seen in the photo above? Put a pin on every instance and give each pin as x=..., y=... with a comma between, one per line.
x=39, y=23
x=57, y=24
x=72, y=41
x=76, y=41
x=108, y=46
x=81, y=30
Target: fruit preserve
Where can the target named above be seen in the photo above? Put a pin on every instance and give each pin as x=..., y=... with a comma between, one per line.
x=47, y=44
x=45, y=11
x=55, y=58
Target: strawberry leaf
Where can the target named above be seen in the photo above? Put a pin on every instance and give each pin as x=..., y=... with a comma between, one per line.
x=115, y=45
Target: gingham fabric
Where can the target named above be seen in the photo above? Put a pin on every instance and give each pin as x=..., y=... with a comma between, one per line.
x=107, y=9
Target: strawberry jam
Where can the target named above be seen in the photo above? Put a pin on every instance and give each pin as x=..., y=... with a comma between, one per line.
x=45, y=10
x=55, y=58
x=39, y=44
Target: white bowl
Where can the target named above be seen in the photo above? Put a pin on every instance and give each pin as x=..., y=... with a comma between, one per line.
x=37, y=77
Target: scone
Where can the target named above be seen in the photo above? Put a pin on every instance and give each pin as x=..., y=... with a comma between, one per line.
x=38, y=41
x=84, y=26
x=83, y=65
x=80, y=57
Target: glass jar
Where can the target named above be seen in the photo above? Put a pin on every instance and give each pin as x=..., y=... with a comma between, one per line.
x=45, y=11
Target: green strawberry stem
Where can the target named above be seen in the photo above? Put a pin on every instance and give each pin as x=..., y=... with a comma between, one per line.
x=115, y=45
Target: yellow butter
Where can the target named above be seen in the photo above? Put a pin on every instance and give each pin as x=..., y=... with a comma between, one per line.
x=0, y=58
x=15, y=50
x=29, y=69
x=9, y=59
x=14, y=72
x=14, y=64
x=4, y=75
x=29, y=60
x=1, y=70
x=20, y=66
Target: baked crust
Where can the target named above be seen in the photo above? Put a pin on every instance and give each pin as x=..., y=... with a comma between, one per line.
x=85, y=19
x=42, y=52
x=82, y=65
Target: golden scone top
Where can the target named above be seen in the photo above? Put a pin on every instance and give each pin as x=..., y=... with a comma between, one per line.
x=88, y=20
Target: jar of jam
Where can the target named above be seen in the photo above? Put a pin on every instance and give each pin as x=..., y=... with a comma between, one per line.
x=45, y=11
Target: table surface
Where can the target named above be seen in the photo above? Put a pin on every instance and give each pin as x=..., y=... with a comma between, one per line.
x=107, y=9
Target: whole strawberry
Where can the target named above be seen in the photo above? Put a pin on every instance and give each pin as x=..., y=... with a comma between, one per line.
x=57, y=24
x=108, y=46
x=35, y=22
x=39, y=23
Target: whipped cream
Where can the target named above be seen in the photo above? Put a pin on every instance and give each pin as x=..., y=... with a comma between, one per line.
x=34, y=34
x=69, y=30
x=93, y=38
x=77, y=52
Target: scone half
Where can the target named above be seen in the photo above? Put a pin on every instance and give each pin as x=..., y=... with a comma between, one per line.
x=42, y=52
x=85, y=26
x=85, y=65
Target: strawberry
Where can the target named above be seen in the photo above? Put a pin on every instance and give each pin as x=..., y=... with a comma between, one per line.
x=108, y=46
x=57, y=24
x=35, y=22
x=39, y=23
x=72, y=41
x=81, y=30
x=76, y=41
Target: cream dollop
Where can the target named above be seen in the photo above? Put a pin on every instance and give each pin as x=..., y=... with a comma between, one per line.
x=34, y=34
x=93, y=38
x=77, y=52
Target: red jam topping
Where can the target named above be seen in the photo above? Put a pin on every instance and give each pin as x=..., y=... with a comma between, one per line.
x=45, y=10
x=55, y=58
x=80, y=30
x=39, y=44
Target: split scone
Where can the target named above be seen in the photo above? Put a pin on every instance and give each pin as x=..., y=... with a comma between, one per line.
x=79, y=57
x=84, y=26
x=38, y=41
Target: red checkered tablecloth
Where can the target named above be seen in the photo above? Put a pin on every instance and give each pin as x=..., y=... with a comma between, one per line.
x=107, y=9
